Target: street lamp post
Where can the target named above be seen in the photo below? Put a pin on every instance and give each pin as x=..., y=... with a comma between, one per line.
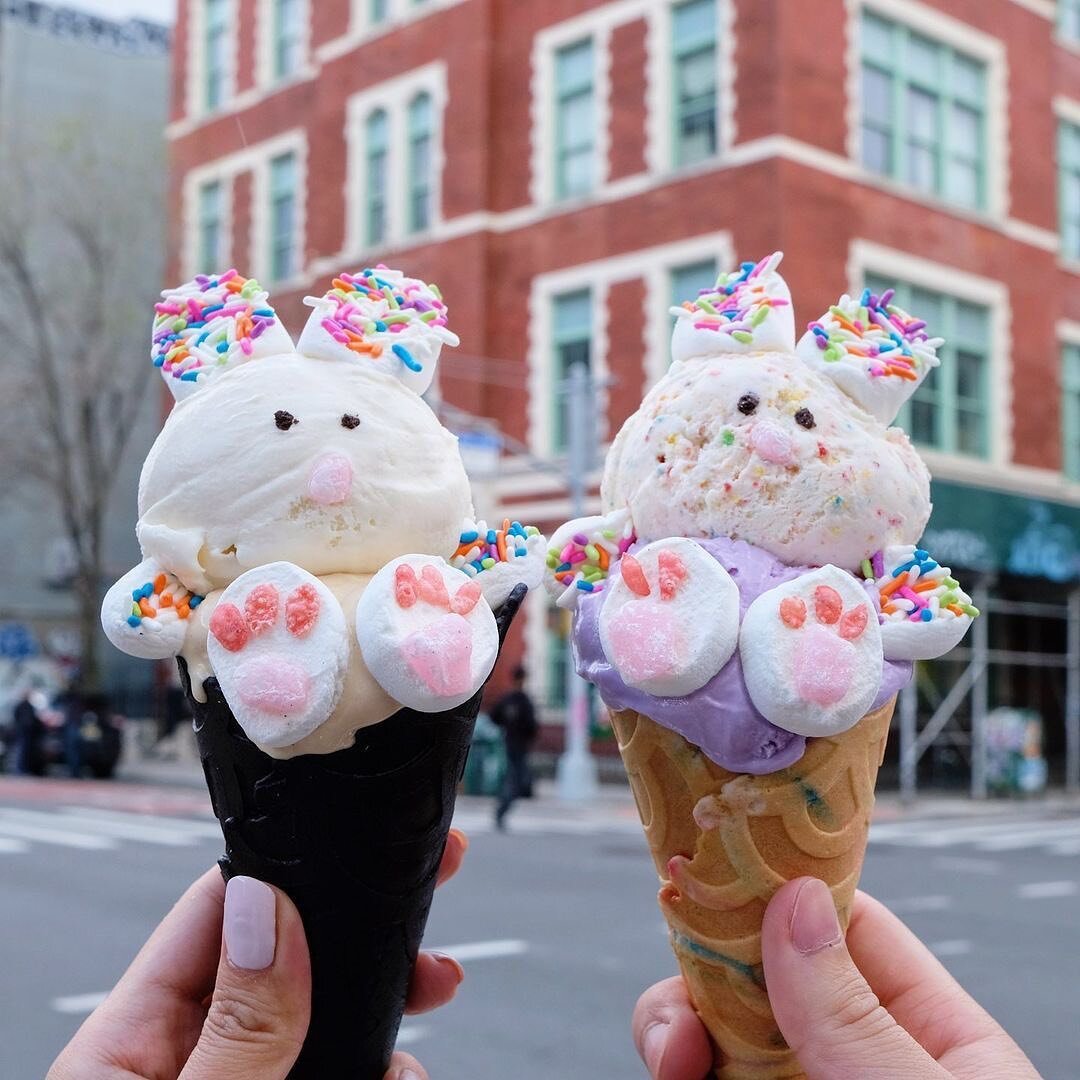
x=575, y=773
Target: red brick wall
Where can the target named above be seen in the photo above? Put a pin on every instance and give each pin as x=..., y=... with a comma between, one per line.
x=626, y=334
x=627, y=99
x=245, y=54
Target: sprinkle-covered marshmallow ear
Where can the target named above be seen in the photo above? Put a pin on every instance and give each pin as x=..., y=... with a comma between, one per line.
x=211, y=324
x=873, y=350
x=747, y=311
x=395, y=323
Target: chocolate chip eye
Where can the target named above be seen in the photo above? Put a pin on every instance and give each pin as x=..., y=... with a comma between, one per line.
x=349, y=421
x=805, y=418
x=748, y=403
x=284, y=420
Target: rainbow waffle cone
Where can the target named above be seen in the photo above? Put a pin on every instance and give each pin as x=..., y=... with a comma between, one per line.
x=760, y=831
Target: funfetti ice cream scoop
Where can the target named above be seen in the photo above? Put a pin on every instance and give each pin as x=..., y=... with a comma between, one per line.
x=311, y=558
x=748, y=605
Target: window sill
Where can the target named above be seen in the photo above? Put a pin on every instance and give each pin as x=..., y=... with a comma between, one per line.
x=990, y=219
x=1071, y=266
x=1069, y=44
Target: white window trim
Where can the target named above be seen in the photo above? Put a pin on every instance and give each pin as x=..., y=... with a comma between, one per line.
x=866, y=257
x=1045, y=8
x=660, y=142
x=394, y=96
x=264, y=47
x=361, y=29
x=1068, y=110
x=196, y=61
x=254, y=159
x=966, y=39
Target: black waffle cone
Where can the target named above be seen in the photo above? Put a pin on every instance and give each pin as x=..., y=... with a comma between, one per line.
x=355, y=838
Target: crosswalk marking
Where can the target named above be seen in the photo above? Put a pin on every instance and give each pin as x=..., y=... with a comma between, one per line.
x=484, y=950
x=954, y=947
x=78, y=1004
x=208, y=829
x=12, y=847
x=60, y=835
x=1056, y=836
x=118, y=830
x=1047, y=890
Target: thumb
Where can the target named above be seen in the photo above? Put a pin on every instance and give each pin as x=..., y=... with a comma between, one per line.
x=261, y=1005
x=825, y=1009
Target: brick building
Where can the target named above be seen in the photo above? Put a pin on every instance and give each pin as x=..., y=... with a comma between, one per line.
x=567, y=169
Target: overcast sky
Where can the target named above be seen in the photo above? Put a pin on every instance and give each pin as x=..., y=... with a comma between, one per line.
x=154, y=10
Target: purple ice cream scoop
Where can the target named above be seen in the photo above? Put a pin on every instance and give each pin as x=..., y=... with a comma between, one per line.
x=719, y=718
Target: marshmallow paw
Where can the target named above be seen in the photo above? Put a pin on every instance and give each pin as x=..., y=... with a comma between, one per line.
x=279, y=646
x=426, y=632
x=671, y=618
x=811, y=653
x=146, y=612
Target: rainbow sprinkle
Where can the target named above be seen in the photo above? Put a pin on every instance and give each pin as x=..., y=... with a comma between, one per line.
x=379, y=309
x=207, y=324
x=893, y=343
x=740, y=301
x=481, y=548
x=583, y=563
x=915, y=587
x=158, y=597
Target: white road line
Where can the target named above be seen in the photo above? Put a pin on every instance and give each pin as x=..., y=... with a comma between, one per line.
x=955, y=947
x=12, y=847
x=78, y=1004
x=63, y=837
x=1047, y=890
x=485, y=950
x=121, y=830
x=208, y=829
x=412, y=1033
x=996, y=836
x=1064, y=847
x=909, y=904
x=481, y=823
x=964, y=864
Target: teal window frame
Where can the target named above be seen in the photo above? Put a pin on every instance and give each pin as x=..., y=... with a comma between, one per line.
x=1069, y=189
x=211, y=220
x=378, y=11
x=571, y=342
x=421, y=119
x=215, y=46
x=1070, y=411
x=288, y=37
x=690, y=47
x=283, y=207
x=1068, y=19
x=574, y=93
x=377, y=166
x=686, y=281
x=939, y=415
x=951, y=84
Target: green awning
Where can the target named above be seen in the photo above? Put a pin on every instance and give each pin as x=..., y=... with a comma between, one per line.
x=983, y=530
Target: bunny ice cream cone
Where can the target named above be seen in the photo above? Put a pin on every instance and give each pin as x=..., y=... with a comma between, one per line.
x=312, y=560
x=748, y=605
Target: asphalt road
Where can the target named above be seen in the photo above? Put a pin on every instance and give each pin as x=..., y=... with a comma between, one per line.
x=557, y=920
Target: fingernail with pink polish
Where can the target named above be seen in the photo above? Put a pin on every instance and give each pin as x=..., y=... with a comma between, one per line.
x=250, y=923
x=814, y=925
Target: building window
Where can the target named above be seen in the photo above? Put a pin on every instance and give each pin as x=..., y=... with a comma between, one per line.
x=378, y=11
x=1069, y=19
x=575, y=120
x=571, y=336
x=693, y=35
x=950, y=411
x=283, y=261
x=687, y=282
x=210, y=228
x=288, y=37
x=923, y=113
x=1069, y=188
x=420, y=162
x=216, y=24
x=378, y=160
x=1070, y=411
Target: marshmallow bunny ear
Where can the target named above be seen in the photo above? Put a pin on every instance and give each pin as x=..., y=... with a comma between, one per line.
x=873, y=350
x=747, y=311
x=382, y=318
x=211, y=324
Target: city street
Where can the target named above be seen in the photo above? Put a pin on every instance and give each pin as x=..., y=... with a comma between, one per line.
x=555, y=922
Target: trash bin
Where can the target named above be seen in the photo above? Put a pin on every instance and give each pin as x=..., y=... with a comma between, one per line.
x=1014, y=761
x=485, y=768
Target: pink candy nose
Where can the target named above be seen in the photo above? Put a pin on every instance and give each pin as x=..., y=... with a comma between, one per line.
x=331, y=479
x=772, y=442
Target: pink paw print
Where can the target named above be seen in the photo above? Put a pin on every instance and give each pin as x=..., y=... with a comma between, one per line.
x=811, y=653
x=426, y=633
x=278, y=644
x=670, y=618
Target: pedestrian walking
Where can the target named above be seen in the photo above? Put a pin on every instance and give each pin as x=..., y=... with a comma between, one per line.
x=28, y=730
x=515, y=715
x=71, y=706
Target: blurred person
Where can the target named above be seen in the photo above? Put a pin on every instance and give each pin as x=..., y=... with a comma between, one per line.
x=69, y=703
x=28, y=729
x=223, y=989
x=515, y=715
x=878, y=1004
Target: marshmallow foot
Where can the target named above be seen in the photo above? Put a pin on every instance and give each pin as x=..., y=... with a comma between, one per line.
x=279, y=646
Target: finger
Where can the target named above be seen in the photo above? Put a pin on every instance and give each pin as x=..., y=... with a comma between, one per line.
x=262, y=997
x=405, y=1067
x=670, y=1038
x=457, y=843
x=824, y=1007
x=435, y=980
